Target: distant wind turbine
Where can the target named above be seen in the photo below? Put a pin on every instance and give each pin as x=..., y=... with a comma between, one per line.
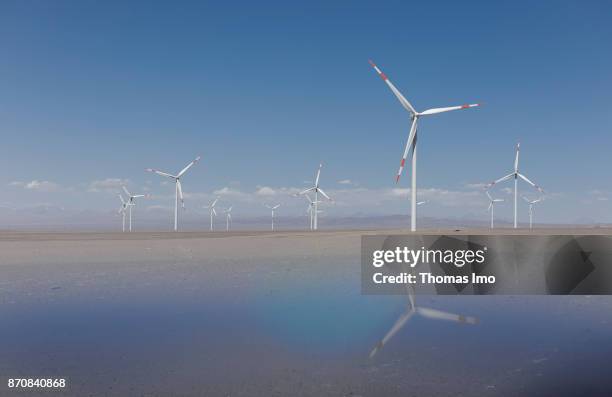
x=515, y=174
x=412, y=138
x=531, y=204
x=213, y=212
x=178, y=188
x=492, y=202
x=316, y=189
x=228, y=218
x=310, y=210
x=122, y=210
x=132, y=202
x=272, y=208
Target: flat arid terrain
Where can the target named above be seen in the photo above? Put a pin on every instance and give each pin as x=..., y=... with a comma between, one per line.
x=261, y=313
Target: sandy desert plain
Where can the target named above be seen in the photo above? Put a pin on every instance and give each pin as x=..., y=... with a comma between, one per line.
x=264, y=314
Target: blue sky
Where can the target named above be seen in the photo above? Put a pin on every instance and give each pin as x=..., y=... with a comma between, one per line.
x=94, y=92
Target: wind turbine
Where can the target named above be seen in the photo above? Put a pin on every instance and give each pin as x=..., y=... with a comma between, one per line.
x=228, y=218
x=178, y=188
x=492, y=202
x=213, y=212
x=515, y=174
x=132, y=202
x=531, y=203
x=412, y=138
x=421, y=202
x=272, y=208
x=411, y=310
x=316, y=189
x=310, y=209
x=122, y=210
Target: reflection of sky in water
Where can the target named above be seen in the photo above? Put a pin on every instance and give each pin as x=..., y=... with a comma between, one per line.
x=321, y=329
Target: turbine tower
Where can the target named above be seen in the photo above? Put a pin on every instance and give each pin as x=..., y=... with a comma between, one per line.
x=316, y=189
x=515, y=174
x=178, y=189
x=213, y=212
x=531, y=204
x=228, y=218
x=272, y=208
x=492, y=202
x=411, y=144
x=132, y=202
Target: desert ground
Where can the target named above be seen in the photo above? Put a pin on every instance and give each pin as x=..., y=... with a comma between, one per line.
x=262, y=313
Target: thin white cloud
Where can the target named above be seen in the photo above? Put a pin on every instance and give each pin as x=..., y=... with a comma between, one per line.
x=346, y=182
x=477, y=185
x=41, y=186
x=107, y=185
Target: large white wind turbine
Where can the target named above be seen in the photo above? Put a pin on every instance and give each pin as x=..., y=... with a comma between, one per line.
x=413, y=309
x=412, y=138
x=492, y=202
x=178, y=188
x=213, y=212
x=316, y=189
x=228, y=218
x=272, y=208
x=515, y=174
x=531, y=204
x=122, y=210
x=132, y=202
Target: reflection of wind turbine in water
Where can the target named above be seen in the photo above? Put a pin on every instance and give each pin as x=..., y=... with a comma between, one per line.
x=411, y=310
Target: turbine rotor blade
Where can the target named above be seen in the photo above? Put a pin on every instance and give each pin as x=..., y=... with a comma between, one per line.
x=523, y=177
x=411, y=136
x=396, y=92
x=516, y=158
x=188, y=166
x=161, y=173
x=440, y=315
x=448, y=109
x=325, y=195
x=180, y=191
x=307, y=190
x=126, y=191
x=396, y=327
x=318, y=175
x=504, y=178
